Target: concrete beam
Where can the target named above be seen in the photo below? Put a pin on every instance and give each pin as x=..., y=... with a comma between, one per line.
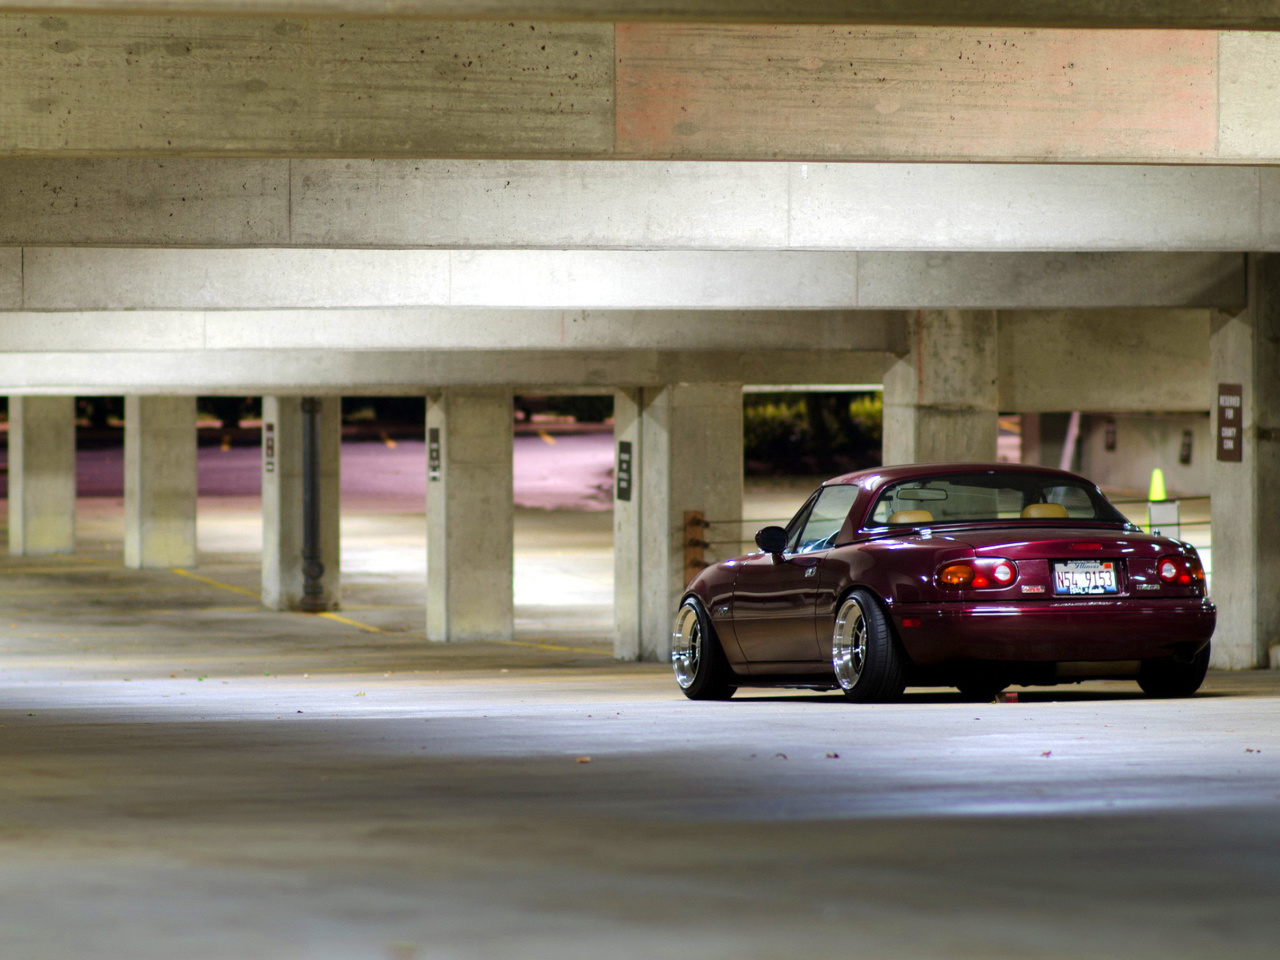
x=496, y=204
x=941, y=399
x=1104, y=360
x=399, y=372
x=689, y=205
x=1239, y=15
x=442, y=328
x=122, y=85
x=79, y=279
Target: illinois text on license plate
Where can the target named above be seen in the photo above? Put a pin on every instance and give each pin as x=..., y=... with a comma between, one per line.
x=1084, y=577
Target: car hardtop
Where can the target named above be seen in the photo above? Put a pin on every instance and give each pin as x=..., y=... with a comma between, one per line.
x=875, y=478
x=872, y=481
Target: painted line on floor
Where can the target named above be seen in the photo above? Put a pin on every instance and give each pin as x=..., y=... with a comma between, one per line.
x=249, y=593
x=351, y=623
x=552, y=646
x=215, y=583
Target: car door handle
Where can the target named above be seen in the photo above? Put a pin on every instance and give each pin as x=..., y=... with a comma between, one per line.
x=810, y=571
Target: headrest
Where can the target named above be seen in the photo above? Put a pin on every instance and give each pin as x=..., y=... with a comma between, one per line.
x=911, y=516
x=1042, y=511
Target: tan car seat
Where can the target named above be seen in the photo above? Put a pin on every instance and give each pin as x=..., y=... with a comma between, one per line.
x=911, y=516
x=1044, y=511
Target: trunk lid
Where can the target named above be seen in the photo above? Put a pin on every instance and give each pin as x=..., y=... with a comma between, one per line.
x=1085, y=563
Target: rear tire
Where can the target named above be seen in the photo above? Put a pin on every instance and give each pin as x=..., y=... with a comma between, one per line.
x=1174, y=678
x=701, y=668
x=868, y=663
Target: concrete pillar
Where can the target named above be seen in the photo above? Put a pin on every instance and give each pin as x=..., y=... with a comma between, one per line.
x=470, y=515
x=941, y=398
x=628, y=453
x=159, y=482
x=282, y=513
x=690, y=459
x=1245, y=350
x=42, y=475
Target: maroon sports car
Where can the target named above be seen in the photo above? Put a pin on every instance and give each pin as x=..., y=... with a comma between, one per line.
x=970, y=575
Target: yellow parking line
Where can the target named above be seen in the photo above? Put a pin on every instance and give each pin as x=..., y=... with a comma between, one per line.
x=352, y=623
x=215, y=583
x=552, y=646
x=547, y=438
x=249, y=593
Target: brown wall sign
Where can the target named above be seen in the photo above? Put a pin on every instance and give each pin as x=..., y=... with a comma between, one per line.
x=1230, y=422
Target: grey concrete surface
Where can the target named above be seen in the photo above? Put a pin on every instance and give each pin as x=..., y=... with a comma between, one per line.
x=176, y=285
x=651, y=205
x=187, y=775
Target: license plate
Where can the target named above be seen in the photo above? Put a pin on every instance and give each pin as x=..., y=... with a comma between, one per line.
x=1076, y=578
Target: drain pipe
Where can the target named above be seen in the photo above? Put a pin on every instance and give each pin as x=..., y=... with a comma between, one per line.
x=312, y=561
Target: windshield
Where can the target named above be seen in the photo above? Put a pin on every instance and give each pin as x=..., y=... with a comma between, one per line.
x=984, y=497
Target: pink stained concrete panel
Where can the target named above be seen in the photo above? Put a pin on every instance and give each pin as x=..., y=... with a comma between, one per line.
x=895, y=93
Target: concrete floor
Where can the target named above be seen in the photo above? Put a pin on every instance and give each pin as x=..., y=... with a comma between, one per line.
x=187, y=776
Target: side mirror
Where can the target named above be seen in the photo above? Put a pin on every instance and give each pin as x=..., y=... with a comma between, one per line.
x=772, y=540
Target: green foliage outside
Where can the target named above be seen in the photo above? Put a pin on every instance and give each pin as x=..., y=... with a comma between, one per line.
x=811, y=432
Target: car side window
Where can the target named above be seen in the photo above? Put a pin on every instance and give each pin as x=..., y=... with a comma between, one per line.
x=826, y=518
x=798, y=521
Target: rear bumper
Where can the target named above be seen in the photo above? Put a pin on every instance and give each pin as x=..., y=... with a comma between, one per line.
x=1045, y=631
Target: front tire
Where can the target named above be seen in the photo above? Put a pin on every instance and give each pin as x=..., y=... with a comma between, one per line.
x=868, y=664
x=1174, y=678
x=701, y=668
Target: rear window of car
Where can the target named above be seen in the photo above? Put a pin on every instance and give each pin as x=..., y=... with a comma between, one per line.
x=985, y=497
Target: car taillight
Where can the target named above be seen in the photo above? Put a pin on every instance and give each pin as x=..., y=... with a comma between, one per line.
x=1180, y=570
x=980, y=574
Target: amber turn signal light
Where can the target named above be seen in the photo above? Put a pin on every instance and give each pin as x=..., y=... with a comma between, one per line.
x=981, y=574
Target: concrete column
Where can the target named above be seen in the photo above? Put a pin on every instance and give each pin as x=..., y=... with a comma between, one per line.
x=1245, y=350
x=941, y=398
x=470, y=515
x=628, y=454
x=159, y=482
x=42, y=475
x=691, y=459
x=282, y=514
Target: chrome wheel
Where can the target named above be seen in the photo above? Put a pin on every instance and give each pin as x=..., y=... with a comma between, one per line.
x=686, y=646
x=849, y=644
